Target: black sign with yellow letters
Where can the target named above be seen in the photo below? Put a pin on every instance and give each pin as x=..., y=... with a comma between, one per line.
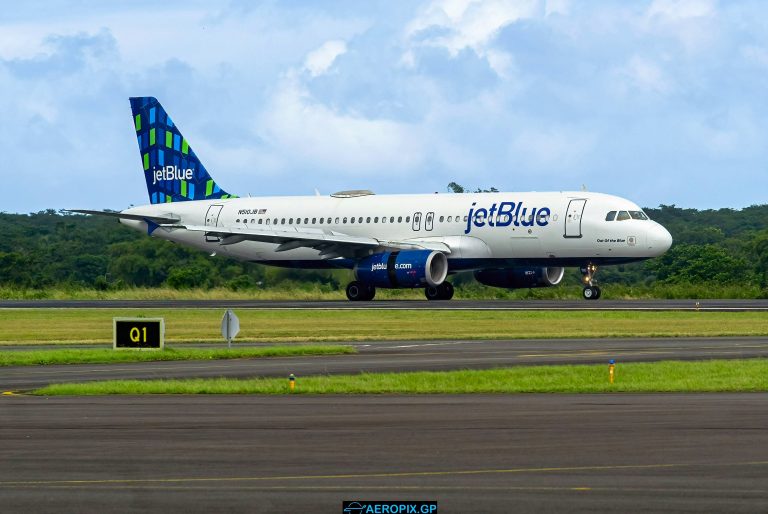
x=139, y=333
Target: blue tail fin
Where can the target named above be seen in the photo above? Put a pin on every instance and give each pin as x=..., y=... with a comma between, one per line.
x=172, y=170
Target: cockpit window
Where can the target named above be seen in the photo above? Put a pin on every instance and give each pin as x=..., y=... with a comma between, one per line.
x=623, y=215
x=638, y=215
x=610, y=216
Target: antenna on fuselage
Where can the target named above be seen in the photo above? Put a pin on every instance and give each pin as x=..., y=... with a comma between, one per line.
x=584, y=187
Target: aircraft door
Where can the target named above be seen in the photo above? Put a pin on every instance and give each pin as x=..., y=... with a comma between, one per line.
x=416, y=221
x=212, y=220
x=573, y=218
x=429, y=221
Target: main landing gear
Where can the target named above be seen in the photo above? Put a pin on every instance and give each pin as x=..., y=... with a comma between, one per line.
x=590, y=291
x=442, y=292
x=360, y=292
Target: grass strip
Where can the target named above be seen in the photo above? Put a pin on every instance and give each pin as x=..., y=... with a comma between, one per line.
x=665, y=376
x=30, y=326
x=105, y=356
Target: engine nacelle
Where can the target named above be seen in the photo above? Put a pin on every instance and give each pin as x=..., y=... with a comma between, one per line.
x=410, y=268
x=519, y=278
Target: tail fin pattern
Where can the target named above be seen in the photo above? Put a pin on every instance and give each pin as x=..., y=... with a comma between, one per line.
x=172, y=170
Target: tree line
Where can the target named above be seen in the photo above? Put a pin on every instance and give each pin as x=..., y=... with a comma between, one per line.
x=52, y=249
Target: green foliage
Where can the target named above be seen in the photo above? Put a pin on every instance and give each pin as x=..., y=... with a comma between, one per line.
x=716, y=253
x=689, y=263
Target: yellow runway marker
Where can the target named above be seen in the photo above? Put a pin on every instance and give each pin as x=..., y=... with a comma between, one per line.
x=404, y=474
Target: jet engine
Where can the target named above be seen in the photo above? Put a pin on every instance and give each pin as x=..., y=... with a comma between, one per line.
x=403, y=269
x=519, y=278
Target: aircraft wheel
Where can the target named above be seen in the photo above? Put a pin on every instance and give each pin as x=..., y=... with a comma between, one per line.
x=447, y=290
x=598, y=292
x=442, y=292
x=357, y=291
x=432, y=293
x=591, y=293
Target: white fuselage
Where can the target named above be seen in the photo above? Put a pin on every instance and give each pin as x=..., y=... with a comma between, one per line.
x=549, y=228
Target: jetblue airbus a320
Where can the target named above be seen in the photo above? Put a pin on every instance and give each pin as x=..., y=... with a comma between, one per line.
x=509, y=240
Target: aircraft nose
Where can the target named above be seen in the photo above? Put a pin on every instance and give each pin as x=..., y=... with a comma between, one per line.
x=659, y=239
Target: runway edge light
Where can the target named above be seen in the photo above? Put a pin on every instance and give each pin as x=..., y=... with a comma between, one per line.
x=611, y=370
x=292, y=382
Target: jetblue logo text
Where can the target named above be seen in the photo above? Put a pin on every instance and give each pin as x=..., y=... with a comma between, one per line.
x=378, y=266
x=506, y=214
x=171, y=173
x=379, y=507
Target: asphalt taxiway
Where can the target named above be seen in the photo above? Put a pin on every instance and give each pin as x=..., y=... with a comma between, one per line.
x=472, y=453
x=457, y=304
x=396, y=356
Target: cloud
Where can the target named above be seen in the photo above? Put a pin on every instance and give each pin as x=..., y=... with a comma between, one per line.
x=460, y=24
x=319, y=61
x=311, y=134
x=644, y=74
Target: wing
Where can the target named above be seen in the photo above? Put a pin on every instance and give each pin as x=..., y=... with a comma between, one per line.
x=159, y=220
x=329, y=243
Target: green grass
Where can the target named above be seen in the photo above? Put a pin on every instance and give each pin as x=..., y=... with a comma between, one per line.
x=46, y=326
x=93, y=356
x=311, y=291
x=667, y=376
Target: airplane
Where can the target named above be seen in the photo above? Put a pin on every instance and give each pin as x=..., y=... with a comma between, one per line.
x=507, y=239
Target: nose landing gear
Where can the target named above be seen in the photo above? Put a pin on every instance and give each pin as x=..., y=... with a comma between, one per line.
x=590, y=291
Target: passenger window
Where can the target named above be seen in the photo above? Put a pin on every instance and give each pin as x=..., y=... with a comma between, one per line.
x=290, y=221
x=282, y=221
x=407, y=219
x=610, y=216
x=383, y=219
x=306, y=221
x=391, y=219
x=368, y=219
x=321, y=221
x=466, y=218
x=274, y=221
x=376, y=219
x=345, y=221
x=441, y=219
x=399, y=219
x=329, y=221
x=337, y=221
x=260, y=221
x=237, y=220
x=623, y=215
x=314, y=221
x=267, y=221
x=448, y=220
x=352, y=219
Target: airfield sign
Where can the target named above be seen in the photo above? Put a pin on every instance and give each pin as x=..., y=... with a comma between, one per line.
x=138, y=333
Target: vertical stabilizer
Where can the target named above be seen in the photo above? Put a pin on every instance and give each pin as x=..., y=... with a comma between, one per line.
x=171, y=168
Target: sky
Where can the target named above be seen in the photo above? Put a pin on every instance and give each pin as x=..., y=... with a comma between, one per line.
x=661, y=102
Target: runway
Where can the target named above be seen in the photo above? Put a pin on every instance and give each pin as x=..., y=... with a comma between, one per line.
x=456, y=304
x=396, y=356
x=475, y=453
